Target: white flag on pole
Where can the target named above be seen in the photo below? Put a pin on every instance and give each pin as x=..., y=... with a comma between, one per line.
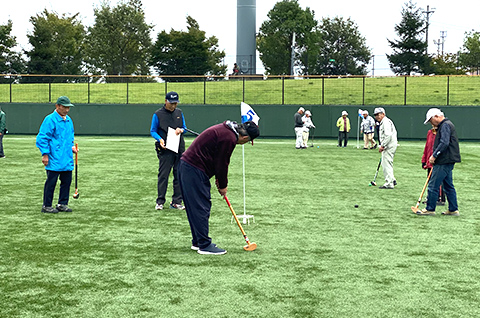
x=248, y=113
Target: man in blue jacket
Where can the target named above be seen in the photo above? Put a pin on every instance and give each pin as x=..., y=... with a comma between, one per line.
x=169, y=116
x=55, y=140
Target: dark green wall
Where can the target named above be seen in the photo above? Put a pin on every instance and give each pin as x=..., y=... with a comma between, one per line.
x=276, y=120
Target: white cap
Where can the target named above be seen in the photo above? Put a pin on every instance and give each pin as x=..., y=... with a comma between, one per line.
x=308, y=113
x=301, y=109
x=378, y=110
x=365, y=112
x=431, y=113
x=344, y=113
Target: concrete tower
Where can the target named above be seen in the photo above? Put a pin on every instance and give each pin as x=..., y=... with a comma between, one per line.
x=246, y=31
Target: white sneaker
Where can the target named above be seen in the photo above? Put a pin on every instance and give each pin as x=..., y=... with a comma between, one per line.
x=159, y=207
x=195, y=248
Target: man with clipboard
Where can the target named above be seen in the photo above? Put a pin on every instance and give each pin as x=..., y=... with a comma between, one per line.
x=168, y=125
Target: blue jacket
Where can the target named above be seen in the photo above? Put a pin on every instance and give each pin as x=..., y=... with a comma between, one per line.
x=55, y=139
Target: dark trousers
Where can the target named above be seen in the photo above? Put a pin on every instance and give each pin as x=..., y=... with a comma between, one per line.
x=441, y=196
x=167, y=160
x=342, y=135
x=196, y=186
x=49, y=188
x=1, y=146
x=442, y=175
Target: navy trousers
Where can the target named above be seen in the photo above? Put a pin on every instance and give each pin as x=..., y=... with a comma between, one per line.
x=195, y=186
x=49, y=188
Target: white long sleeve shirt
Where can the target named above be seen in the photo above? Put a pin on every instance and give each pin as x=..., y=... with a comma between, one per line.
x=388, y=133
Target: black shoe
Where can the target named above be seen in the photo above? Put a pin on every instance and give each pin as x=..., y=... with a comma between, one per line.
x=384, y=187
x=375, y=147
x=394, y=182
x=63, y=208
x=49, y=209
x=212, y=249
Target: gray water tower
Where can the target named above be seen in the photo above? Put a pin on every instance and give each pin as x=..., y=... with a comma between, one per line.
x=246, y=31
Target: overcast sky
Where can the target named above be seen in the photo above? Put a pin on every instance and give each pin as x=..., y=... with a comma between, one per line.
x=375, y=19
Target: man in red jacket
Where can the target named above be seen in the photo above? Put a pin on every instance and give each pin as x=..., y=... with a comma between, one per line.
x=208, y=156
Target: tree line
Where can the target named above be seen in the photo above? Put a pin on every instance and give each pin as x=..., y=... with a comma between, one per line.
x=119, y=43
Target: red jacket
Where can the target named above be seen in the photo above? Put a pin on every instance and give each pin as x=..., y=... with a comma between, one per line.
x=428, y=150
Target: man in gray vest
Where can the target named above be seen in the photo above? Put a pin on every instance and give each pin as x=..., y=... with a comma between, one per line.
x=446, y=152
x=169, y=116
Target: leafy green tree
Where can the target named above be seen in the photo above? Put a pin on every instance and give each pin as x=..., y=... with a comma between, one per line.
x=119, y=41
x=470, y=52
x=187, y=53
x=342, y=50
x=447, y=64
x=409, y=51
x=275, y=37
x=57, y=43
x=10, y=61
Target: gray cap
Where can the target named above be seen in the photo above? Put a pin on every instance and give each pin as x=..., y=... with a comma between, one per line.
x=378, y=110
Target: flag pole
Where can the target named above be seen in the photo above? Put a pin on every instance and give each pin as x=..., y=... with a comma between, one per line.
x=244, y=200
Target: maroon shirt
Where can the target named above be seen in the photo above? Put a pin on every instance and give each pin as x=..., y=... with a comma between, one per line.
x=211, y=152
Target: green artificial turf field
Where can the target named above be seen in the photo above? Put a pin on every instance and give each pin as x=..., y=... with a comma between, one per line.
x=317, y=255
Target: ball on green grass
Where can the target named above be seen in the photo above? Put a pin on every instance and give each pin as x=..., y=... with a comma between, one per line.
x=318, y=146
x=356, y=205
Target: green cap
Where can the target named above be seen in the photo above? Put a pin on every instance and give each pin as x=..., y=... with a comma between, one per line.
x=65, y=101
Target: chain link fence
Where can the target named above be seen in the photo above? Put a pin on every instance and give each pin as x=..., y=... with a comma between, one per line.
x=253, y=89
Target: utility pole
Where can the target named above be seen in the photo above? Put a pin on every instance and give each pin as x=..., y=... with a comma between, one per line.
x=428, y=12
x=373, y=65
x=292, y=56
x=438, y=43
x=443, y=35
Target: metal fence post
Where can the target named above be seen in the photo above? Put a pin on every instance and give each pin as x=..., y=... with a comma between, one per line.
x=50, y=92
x=323, y=90
x=88, y=89
x=204, y=90
x=363, y=97
x=243, y=93
x=405, y=92
x=448, y=90
x=127, y=90
x=11, y=98
x=283, y=89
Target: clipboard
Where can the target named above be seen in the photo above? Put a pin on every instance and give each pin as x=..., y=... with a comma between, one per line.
x=173, y=140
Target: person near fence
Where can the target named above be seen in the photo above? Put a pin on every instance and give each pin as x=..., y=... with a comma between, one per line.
x=343, y=124
x=299, y=128
x=208, y=156
x=3, y=131
x=427, y=153
x=307, y=125
x=236, y=70
x=169, y=116
x=446, y=152
x=55, y=140
x=388, y=146
x=367, y=127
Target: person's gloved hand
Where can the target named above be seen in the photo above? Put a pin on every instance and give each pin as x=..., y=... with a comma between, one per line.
x=424, y=165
